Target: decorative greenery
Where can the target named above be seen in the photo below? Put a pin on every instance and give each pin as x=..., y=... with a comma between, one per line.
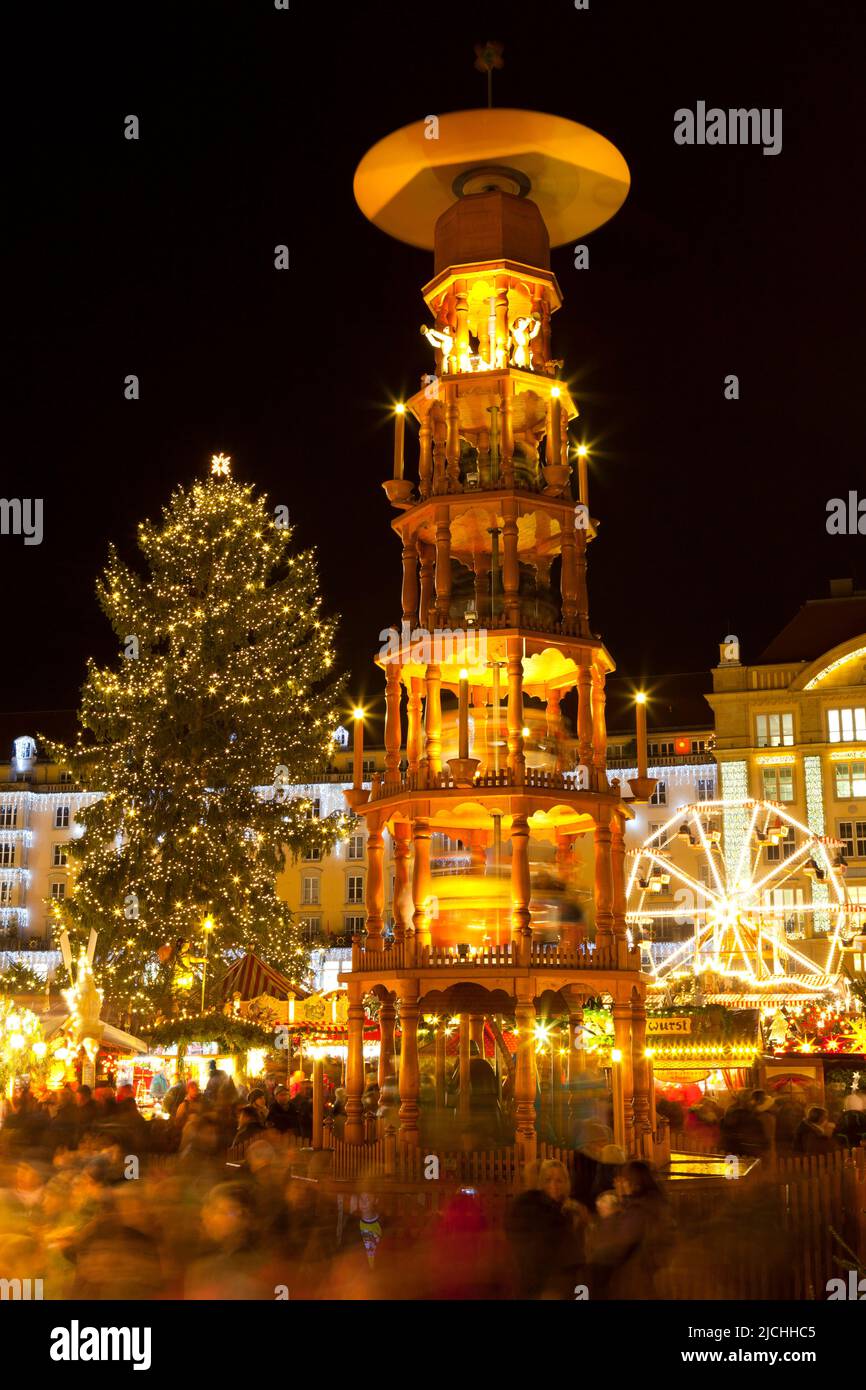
x=16, y=978
x=221, y=698
x=229, y=1034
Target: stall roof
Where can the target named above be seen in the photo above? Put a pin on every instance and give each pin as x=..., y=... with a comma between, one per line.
x=52, y=1024
x=251, y=977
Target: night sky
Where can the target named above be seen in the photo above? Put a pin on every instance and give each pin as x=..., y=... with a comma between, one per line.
x=155, y=257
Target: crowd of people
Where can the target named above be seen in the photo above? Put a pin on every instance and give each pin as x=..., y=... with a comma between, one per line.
x=222, y=1197
x=755, y=1124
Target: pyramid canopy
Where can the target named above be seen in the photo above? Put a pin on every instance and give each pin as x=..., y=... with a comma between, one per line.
x=251, y=977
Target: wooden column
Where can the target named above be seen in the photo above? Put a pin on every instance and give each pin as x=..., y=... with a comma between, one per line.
x=599, y=731
x=461, y=315
x=501, y=311
x=479, y=720
x=521, y=889
x=584, y=713
x=510, y=563
x=402, y=896
x=464, y=1054
x=570, y=932
x=440, y=481
x=576, y=1052
x=452, y=439
x=375, y=888
x=481, y=571
x=392, y=725
x=554, y=725
x=354, y=1131
x=476, y=1031
x=525, y=1082
x=410, y=581
x=603, y=889
x=439, y=1062
x=413, y=720
x=422, y=882
x=387, y=1021
x=425, y=461
x=433, y=718
x=622, y=1075
x=617, y=870
x=410, y=1076
x=443, y=566
x=568, y=580
x=643, y=1124
x=507, y=401
x=516, y=760
x=425, y=604
x=581, y=592
x=318, y=1102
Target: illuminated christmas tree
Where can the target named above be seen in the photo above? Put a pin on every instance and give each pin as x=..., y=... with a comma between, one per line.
x=221, y=699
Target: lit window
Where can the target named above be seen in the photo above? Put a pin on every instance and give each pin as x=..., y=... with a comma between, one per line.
x=846, y=725
x=774, y=730
x=310, y=891
x=853, y=837
x=353, y=926
x=355, y=847
x=61, y=856
x=850, y=780
x=58, y=892
x=706, y=788
x=8, y=817
x=7, y=855
x=5, y=892
x=660, y=795
x=311, y=855
x=355, y=888
x=778, y=783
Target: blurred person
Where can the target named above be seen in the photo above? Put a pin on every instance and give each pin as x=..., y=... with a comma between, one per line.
x=85, y=1108
x=763, y=1108
x=258, y=1099
x=303, y=1104
x=815, y=1133
x=545, y=1230
x=233, y=1267
x=282, y=1115
x=173, y=1097
x=249, y=1123
x=192, y=1104
x=24, y=1123
x=220, y=1088
x=631, y=1245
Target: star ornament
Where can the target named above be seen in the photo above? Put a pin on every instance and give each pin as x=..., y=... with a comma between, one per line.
x=220, y=465
x=488, y=56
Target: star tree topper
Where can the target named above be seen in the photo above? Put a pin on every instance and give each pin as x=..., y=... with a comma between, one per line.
x=220, y=465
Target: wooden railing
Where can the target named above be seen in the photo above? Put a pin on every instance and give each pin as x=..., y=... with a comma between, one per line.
x=406, y=955
x=536, y=778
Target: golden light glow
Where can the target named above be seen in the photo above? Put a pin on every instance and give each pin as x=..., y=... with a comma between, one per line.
x=555, y=393
x=582, y=451
x=640, y=698
x=464, y=675
x=400, y=409
x=220, y=465
x=615, y=1054
x=208, y=924
x=357, y=712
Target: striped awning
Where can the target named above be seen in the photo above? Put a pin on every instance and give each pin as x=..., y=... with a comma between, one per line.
x=250, y=977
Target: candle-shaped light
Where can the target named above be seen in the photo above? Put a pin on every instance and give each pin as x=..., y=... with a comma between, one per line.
x=358, y=750
x=399, y=438
x=640, y=722
x=554, y=438
x=463, y=716
x=582, y=474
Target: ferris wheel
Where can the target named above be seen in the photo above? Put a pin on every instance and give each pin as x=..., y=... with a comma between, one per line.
x=735, y=871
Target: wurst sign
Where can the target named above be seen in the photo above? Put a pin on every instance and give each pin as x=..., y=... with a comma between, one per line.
x=669, y=1025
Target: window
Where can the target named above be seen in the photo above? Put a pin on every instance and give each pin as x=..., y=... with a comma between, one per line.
x=368, y=767
x=660, y=750
x=7, y=855
x=355, y=847
x=785, y=902
x=844, y=725
x=778, y=783
x=65, y=777
x=852, y=833
x=61, y=818
x=310, y=891
x=706, y=788
x=850, y=780
x=660, y=795
x=58, y=892
x=355, y=888
x=353, y=926
x=773, y=730
x=61, y=856
x=311, y=928
x=776, y=853
x=311, y=855
x=698, y=745
x=8, y=817
x=5, y=892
